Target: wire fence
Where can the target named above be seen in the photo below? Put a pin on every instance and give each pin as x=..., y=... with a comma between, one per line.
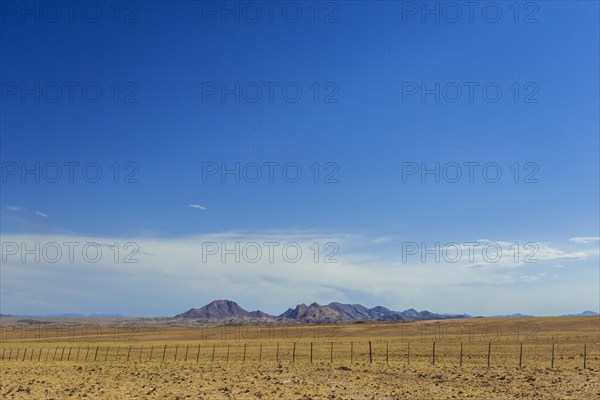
x=520, y=355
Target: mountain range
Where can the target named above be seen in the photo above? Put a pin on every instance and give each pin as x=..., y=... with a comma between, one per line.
x=312, y=314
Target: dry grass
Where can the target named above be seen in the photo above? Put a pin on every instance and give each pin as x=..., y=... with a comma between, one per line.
x=249, y=363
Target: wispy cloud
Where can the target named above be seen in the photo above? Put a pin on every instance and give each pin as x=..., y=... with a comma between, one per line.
x=41, y=214
x=585, y=239
x=12, y=208
x=267, y=269
x=198, y=206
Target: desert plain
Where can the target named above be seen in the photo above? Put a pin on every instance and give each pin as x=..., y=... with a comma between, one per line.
x=478, y=358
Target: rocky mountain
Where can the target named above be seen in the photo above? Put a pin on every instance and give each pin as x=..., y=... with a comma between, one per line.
x=222, y=310
x=312, y=314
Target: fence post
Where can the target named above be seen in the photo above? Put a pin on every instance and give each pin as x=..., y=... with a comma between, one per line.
x=244, y=360
x=227, y=358
x=31, y=356
x=260, y=354
x=213, y=353
x=461, y=354
x=10, y=354
x=176, y=348
x=585, y=356
x=78, y=350
x=198, y=353
x=86, y=353
x=69, y=355
x=117, y=357
x=96, y=355
x=521, y=357
x=164, y=351
x=128, y=353
x=552, y=366
x=62, y=353
x=187, y=347
x=311, y=352
x=24, y=354
x=106, y=355
x=294, y=353
x=408, y=354
x=489, y=353
x=387, y=352
x=151, y=351
x=433, y=354
x=331, y=355
x=40, y=355
x=3, y=350
x=351, y=351
x=370, y=354
x=141, y=352
x=277, y=357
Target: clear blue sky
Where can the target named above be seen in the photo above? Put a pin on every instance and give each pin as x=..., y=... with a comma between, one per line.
x=370, y=56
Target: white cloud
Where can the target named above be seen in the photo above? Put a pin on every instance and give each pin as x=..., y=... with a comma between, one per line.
x=585, y=239
x=198, y=206
x=41, y=214
x=12, y=208
x=173, y=274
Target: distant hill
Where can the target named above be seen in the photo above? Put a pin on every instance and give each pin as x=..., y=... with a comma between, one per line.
x=312, y=314
x=517, y=315
x=583, y=314
x=67, y=316
x=220, y=310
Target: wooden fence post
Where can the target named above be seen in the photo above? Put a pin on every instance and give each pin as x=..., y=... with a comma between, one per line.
x=151, y=351
x=78, y=350
x=198, y=353
x=62, y=353
x=164, y=351
x=106, y=355
x=40, y=355
x=31, y=356
x=10, y=354
x=260, y=354
x=277, y=357
x=175, y=357
x=96, y=355
x=141, y=352
x=387, y=352
x=187, y=348
x=294, y=353
x=227, y=359
x=585, y=356
x=86, y=353
x=489, y=353
x=117, y=357
x=552, y=366
x=461, y=352
x=69, y=356
x=128, y=353
x=3, y=351
x=244, y=360
x=331, y=355
x=521, y=356
x=213, y=353
x=311, y=352
x=433, y=354
x=370, y=354
x=408, y=354
x=351, y=351
x=24, y=354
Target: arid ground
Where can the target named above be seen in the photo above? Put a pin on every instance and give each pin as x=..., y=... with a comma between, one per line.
x=533, y=358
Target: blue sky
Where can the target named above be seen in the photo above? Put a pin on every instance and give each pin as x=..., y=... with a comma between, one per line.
x=165, y=60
